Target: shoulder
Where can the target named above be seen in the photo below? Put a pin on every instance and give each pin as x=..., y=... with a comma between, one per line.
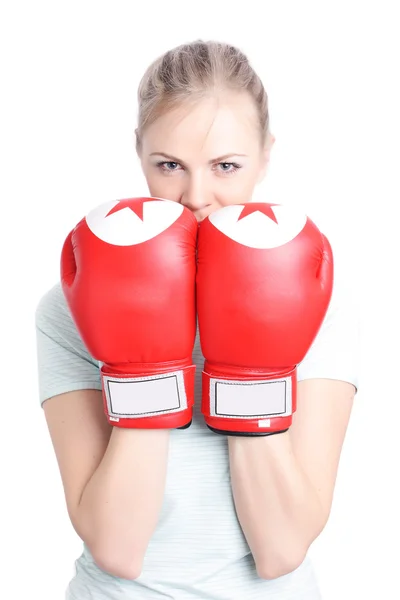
x=64, y=363
x=334, y=351
x=53, y=319
x=343, y=310
x=52, y=310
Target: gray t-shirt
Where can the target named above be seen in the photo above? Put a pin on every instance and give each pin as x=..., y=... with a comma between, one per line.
x=198, y=551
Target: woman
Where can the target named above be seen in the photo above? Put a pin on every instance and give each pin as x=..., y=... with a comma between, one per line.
x=188, y=513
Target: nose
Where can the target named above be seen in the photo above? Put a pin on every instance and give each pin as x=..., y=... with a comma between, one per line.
x=195, y=196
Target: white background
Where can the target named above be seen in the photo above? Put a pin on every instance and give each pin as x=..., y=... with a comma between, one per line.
x=69, y=76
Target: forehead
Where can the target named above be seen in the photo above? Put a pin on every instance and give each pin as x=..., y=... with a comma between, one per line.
x=214, y=125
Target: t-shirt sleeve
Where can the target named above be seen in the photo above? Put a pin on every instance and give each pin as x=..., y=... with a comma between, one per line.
x=334, y=352
x=64, y=364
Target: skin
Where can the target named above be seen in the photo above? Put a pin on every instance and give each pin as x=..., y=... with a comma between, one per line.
x=206, y=156
x=282, y=484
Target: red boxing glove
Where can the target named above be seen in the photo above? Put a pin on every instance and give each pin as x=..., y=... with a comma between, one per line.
x=264, y=283
x=128, y=274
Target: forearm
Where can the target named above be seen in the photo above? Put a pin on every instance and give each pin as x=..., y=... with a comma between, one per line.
x=279, y=510
x=120, y=505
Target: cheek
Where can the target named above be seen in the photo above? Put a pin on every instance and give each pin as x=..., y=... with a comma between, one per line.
x=237, y=189
x=161, y=186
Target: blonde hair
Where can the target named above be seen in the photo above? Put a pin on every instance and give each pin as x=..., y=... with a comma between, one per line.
x=189, y=72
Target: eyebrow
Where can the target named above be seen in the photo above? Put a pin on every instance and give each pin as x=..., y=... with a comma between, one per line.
x=178, y=160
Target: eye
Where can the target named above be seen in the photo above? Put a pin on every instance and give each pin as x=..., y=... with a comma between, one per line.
x=229, y=168
x=167, y=166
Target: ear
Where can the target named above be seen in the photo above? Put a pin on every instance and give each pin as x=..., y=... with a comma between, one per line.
x=138, y=147
x=266, y=152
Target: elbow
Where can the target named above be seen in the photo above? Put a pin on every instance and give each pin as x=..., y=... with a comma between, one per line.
x=111, y=551
x=274, y=566
x=282, y=561
x=117, y=564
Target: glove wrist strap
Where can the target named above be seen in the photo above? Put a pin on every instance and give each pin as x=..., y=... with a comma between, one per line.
x=159, y=401
x=261, y=402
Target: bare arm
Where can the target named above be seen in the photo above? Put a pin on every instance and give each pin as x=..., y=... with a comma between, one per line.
x=283, y=484
x=113, y=479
